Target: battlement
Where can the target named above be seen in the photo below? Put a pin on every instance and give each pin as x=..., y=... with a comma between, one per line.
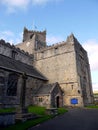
x=13, y=47
x=30, y=34
x=56, y=45
x=70, y=40
x=34, y=31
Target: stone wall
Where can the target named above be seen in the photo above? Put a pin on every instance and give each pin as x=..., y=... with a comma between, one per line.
x=83, y=70
x=27, y=46
x=32, y=86
x=42, y=100
x=9, y=95
x=57, y=63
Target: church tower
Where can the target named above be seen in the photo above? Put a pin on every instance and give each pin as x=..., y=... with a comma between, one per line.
x=67, y=63
x=32, y=40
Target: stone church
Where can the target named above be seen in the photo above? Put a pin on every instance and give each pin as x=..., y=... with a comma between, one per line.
x=56, y=76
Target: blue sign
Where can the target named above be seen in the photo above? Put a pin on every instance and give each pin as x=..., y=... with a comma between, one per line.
x=74, y=101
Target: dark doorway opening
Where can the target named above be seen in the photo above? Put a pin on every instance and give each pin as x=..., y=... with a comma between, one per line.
x=57, y=101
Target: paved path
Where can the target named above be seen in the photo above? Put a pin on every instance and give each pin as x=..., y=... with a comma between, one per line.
x=74, y=119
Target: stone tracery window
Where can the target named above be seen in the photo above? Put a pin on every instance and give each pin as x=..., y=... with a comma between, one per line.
x=12, y=85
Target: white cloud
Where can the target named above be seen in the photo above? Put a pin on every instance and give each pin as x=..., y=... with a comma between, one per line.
x=53, y=39
x=95, y=86
x=92, y=48
x=7, y=33
x=10, y=37
x=41, y=2
x=13, y=5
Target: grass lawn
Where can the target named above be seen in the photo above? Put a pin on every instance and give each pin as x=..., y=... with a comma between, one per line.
x=29, y=123
x=7, y=110
x=37, y=110
x=62, y=111
x=92, y=106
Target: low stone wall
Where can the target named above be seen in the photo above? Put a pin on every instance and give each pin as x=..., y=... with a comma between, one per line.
x=7, y=118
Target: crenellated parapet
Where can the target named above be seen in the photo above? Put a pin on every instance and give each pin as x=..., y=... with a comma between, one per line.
x=70, y=40
x=15, y=53
x=56, y=45
x=31, y=34
x=13, y=47
x=34, y=31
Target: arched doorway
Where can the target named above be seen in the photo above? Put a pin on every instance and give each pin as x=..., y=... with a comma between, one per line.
x=57, y=101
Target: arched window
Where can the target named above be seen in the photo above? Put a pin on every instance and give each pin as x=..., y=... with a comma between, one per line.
x=12, y=84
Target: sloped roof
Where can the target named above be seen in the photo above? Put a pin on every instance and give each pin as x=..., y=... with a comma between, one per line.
x=46, y=89
x=8, y=63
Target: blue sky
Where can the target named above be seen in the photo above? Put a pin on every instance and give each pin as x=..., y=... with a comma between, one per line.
x=59, y=17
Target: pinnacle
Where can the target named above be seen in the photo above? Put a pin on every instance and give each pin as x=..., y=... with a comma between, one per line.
x=71, y=38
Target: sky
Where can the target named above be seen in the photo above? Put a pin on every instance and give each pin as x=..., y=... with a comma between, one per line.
x=59, y=17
